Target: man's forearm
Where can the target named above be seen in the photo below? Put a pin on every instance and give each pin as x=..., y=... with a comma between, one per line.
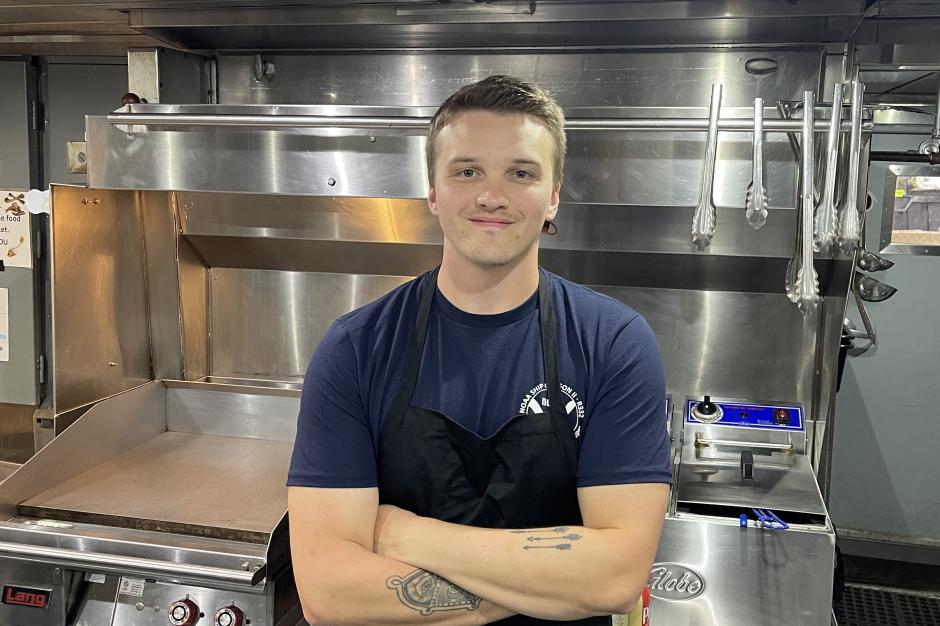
x=566, y=572
x=355, y=586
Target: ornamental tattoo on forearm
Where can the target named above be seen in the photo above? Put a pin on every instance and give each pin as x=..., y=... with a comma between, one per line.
x=557, y=534
x=427, y=593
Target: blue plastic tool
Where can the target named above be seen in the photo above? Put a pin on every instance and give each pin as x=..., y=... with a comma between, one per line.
x=768, y=519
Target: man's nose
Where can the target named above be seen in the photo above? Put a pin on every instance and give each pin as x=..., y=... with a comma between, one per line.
x=492, y=198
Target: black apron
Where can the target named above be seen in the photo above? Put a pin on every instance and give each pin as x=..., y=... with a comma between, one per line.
x=521, y=477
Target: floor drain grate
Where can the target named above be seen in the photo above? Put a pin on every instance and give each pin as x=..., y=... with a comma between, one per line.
x=871, y=605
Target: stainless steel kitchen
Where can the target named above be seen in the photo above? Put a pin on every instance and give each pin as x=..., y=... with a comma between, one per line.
x=211, y=208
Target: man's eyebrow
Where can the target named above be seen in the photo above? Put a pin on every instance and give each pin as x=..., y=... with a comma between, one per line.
x=466, y=159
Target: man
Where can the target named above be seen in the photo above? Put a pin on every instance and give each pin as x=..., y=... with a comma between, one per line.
x=486, y=443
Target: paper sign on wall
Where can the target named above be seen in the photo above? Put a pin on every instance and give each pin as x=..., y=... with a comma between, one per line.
x=15, y=238
x=4, y=326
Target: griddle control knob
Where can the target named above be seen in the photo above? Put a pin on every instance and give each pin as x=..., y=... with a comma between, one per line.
x=707, y=411
x=229, y=616
x=183, y=613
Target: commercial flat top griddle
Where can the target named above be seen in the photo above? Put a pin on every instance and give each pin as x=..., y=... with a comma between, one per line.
x=195, y=484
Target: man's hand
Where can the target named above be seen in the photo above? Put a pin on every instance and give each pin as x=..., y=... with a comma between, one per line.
x=392, y=527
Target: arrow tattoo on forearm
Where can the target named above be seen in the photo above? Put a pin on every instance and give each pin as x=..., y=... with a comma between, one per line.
x=559, y=533
x=560, y=529
x=571, y=537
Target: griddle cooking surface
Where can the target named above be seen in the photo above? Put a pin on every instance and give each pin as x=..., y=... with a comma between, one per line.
x=206, y=485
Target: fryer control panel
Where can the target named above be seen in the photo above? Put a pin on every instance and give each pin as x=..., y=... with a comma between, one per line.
x=747, y=415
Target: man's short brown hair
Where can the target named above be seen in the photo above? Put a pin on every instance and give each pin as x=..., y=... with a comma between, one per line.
x=502, y=94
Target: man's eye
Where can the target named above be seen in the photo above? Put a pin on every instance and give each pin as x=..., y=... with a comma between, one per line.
x=467, y=173
x=522, y=174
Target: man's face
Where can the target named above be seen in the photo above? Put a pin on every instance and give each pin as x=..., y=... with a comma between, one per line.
x=493, y=185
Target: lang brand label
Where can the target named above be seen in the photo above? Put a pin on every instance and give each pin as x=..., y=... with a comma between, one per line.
x=672, y=581
x=26, y=596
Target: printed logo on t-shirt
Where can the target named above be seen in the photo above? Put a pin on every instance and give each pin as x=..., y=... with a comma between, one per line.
x=536, y=401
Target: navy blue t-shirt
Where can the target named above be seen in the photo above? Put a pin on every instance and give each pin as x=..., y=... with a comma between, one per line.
x=480, y=371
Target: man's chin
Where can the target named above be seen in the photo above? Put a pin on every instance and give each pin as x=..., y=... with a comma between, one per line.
x=493, y=258
x=493, y=254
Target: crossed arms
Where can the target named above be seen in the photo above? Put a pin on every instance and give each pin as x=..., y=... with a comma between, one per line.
x=356, y=562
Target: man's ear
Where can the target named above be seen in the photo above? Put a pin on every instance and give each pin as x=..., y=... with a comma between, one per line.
x=554, y=202
x=432, y=200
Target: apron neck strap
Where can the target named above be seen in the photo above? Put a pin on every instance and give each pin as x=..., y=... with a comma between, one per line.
x=415, y=349
x=549, y=327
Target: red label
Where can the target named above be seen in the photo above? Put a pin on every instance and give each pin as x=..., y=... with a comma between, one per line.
x=22, y=596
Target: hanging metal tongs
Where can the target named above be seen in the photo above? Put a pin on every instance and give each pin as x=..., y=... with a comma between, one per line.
x=807, y=284
x=756, y=201
x=826, y=217
x=703, y=221
x=851, y=223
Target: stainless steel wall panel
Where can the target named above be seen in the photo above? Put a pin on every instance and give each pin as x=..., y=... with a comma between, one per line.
x=636, y=269
x=267, y=323
x=641, y=246
x=194, y=311
x=665, y=169
x=700, y=334
x=160, y=234
x=232, y=411
x=664, y=78
x=658, y=169
x=617, y=168
x=290, y=161
x=246, y=221
x=553, y=23
x=380, y=219
x=666, y=229
x=101, y=329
